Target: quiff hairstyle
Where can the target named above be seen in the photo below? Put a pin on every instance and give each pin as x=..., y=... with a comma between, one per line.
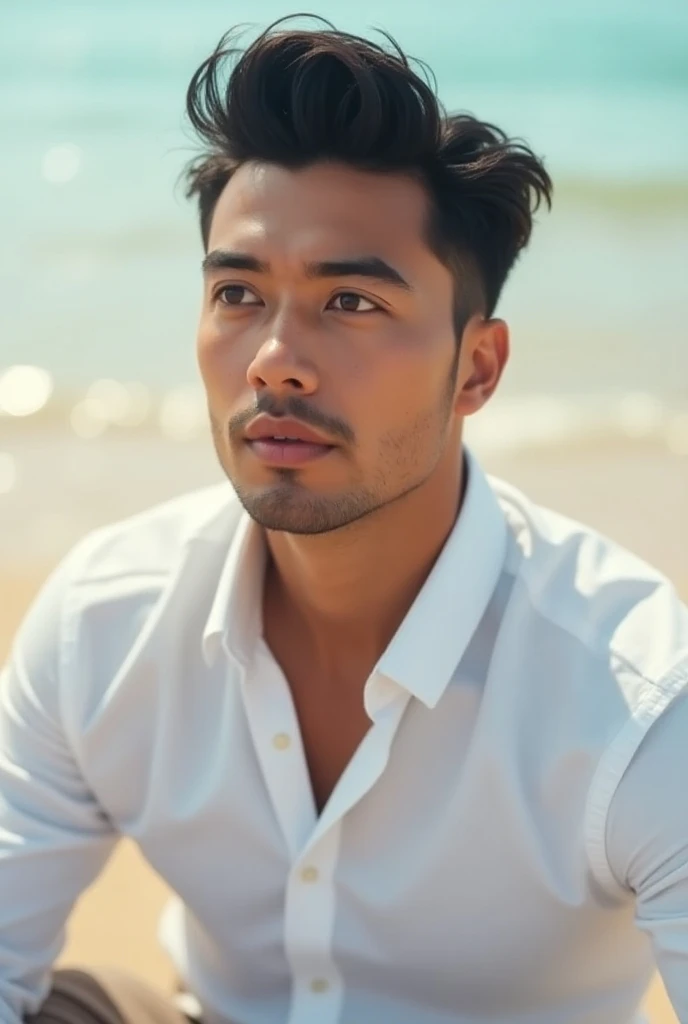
x=295, y=97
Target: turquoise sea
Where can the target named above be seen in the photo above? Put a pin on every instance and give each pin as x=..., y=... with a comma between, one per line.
x=99, y=256
x=100, y=253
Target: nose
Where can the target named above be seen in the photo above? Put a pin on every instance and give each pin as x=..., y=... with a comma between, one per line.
x=280, y=364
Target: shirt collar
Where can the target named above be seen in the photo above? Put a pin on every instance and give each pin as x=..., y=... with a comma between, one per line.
x=236, y=615
x=436, y=630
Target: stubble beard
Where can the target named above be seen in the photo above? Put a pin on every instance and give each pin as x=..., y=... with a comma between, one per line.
x=406, y=460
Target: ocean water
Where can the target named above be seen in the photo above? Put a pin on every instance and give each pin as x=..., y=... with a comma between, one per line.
x=100, y=254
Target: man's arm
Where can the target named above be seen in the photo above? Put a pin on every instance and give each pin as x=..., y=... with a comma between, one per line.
x=53, y=837
x=647, y=844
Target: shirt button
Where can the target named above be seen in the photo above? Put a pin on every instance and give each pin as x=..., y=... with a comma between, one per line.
x=310, y=875
x=281, y=741
x=319, y=985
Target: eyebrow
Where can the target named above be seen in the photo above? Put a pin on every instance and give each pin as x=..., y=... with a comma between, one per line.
x=371, y=267
x=224, y=259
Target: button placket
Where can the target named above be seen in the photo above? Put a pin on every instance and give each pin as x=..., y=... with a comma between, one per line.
x=276, y=737
x=309, y=918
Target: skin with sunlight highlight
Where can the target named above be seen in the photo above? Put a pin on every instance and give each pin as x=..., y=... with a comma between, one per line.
x=324, y=303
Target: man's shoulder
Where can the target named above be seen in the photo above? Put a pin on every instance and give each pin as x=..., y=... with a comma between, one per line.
x=94, y=605
x=620, y=608
x=152, y=542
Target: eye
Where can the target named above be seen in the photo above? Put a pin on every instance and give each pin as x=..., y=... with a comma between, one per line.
x=237, y=295
x=352, y=302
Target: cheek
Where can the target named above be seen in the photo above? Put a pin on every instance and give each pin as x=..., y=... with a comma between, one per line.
x=217, y=359
x=389, y=403
x=411, y=378
x=208, y=347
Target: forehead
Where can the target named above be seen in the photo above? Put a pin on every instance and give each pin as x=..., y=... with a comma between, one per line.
x=325, y=208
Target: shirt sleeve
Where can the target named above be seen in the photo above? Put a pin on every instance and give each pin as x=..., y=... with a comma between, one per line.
x=647, y=844
x=54, y=839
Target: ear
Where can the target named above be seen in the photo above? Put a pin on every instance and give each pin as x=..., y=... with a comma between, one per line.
x=484, y=354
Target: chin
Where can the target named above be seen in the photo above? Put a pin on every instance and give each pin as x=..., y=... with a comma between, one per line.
x=287, y=508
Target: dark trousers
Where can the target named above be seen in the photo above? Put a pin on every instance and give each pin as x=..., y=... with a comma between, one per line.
x=105, y=997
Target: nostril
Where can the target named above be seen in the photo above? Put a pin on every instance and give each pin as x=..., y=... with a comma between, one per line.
x=294, y=382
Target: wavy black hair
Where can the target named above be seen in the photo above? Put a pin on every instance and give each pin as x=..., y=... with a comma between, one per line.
x=297, y=96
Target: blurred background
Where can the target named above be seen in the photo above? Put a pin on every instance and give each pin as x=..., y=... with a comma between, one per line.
x=101, y=411
x=100, y=406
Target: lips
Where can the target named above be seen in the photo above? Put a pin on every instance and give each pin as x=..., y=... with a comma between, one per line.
x=271, y=428
x=285, y=442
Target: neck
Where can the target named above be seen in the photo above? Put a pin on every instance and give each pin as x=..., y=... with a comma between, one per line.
x=350, y=589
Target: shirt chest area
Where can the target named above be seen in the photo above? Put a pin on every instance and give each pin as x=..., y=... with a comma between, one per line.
x=430, y=855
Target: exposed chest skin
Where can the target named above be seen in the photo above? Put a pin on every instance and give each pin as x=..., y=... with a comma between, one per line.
x=329, y=707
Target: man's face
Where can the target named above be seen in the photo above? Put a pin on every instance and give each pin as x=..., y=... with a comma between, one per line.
x=324, y=304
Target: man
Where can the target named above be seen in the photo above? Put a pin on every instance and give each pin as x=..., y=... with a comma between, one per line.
x=407, y=747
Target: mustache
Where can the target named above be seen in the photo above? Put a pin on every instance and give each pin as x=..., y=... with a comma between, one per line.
x=295, y=407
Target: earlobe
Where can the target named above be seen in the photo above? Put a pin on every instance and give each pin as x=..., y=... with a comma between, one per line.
x=472, y=396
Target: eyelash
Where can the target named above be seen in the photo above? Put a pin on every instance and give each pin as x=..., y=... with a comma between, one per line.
x=239, y=305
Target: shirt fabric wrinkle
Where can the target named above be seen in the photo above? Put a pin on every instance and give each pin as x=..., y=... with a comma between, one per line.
x=507, y=844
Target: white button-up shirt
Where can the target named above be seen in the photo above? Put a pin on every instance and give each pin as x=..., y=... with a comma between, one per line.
x=509, y=843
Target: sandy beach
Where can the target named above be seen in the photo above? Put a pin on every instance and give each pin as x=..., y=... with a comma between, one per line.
x=638, y=494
